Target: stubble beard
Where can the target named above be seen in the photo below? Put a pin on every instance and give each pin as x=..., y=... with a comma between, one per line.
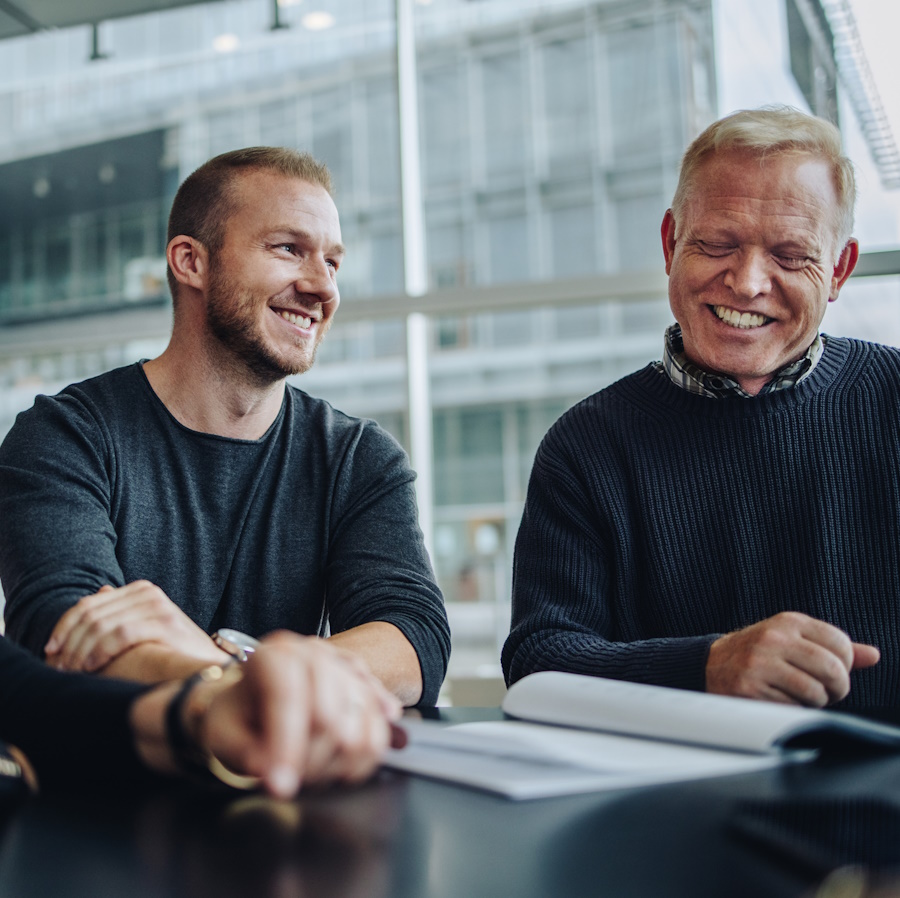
x=231, y=315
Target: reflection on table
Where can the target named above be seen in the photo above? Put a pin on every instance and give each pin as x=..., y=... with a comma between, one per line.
x=829, y=829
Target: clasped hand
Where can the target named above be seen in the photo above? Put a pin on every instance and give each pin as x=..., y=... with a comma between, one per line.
x=304, y=712
x=100, y=627
x=789, y=657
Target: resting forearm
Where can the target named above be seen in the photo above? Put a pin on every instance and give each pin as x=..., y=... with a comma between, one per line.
x=389, y=655
x=152, y=662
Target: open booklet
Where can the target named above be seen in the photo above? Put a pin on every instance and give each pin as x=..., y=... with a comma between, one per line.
x=582, y=734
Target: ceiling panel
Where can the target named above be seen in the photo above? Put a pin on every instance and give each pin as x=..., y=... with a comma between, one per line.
x=18, y=17
x=9, y=27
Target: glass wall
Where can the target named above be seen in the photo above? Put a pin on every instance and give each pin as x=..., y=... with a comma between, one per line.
x=550, y=135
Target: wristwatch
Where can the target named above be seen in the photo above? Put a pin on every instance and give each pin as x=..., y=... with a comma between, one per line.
x=239, y=645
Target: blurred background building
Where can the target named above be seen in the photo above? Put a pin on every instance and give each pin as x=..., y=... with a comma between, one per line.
x=547, y=134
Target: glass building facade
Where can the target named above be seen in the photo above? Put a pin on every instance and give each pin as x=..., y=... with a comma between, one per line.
x=550, y=134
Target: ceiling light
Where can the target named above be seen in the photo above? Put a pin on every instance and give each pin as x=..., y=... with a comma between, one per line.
x=226, y=43
x=41, y=187
x=286, y=3
x=317, y=21
x=107, y=173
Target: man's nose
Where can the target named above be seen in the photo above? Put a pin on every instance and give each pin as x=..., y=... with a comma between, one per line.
x=316, y=277
x=748, y=274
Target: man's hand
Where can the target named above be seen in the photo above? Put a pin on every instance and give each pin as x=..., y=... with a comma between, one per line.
x=787, y=658
x=304, y=713
x=102, y=626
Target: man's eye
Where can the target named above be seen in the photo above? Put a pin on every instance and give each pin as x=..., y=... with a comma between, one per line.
x=715, y=249
x=791, y=262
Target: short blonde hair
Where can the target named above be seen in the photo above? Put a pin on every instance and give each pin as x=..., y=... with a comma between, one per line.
x=774, y=129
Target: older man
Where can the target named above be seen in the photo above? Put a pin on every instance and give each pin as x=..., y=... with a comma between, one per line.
x=728, y=518
x=144, y=509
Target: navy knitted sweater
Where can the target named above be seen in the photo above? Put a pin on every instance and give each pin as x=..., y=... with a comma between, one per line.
x=657, y=520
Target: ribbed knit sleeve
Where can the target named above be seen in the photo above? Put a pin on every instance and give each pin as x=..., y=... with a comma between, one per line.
x=657, y=519
x=565, y=570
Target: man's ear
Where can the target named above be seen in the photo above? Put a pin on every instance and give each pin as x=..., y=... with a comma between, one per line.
x=667, y=231
x=188, y=261
x=844, y=267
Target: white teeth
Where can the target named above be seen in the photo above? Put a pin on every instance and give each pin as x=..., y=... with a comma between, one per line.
x=303, y=321
x=736, y=319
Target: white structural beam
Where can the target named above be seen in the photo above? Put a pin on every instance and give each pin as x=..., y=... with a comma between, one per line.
x=415, y=269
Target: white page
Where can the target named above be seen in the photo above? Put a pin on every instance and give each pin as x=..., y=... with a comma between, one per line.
x=656, y=711
x=522, y=760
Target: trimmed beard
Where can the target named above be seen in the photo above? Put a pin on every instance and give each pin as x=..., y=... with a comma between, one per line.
x=231, y=318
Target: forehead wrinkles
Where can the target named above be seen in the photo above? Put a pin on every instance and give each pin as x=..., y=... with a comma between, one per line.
x=776, y=217
x=794, y=187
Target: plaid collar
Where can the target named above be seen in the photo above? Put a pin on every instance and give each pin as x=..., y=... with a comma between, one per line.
x=690, y=377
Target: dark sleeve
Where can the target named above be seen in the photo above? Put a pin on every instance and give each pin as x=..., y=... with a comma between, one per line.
x=57, y=542
x=74, y=728
x=564, y=575
x=378, y=569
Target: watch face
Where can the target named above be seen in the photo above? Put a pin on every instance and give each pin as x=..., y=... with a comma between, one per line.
x=238, y=644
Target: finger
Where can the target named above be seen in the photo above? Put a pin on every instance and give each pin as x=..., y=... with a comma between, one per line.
x=802, y=688
x=828, y=637
x=355, y=750
x=68, y=622
x=284, y=719
x=374, y=739
x=105, y=597
x=816, y=667
x=353, y=731
x=327, y=697
x=61, y=631
x=99, y=639
x=771, y=693
x=110, y=623
x=865, y=656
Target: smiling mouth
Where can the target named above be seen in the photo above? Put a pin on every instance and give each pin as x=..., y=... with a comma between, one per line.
x=301, y=321
x=742, y=320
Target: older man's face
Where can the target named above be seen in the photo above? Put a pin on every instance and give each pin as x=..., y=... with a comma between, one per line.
x=753, y=262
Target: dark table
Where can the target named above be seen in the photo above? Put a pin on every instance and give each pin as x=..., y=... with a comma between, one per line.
x=778, y=833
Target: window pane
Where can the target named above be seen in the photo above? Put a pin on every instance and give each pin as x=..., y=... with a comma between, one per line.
x=574, y=245
x=509, y=259
x=503, y=89
x=567, y=101
x=444, y=123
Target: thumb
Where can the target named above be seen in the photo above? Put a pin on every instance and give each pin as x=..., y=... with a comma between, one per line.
x=864, y=656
